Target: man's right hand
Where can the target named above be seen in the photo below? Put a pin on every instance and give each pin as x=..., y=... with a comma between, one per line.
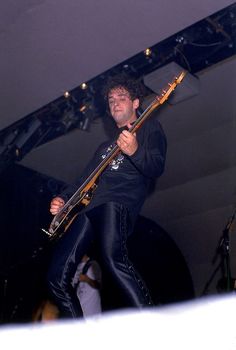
x=56, y=204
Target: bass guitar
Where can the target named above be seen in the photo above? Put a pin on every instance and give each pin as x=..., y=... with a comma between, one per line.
x=84, y=193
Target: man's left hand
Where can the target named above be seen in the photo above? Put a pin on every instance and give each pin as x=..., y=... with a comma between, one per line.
x=127, y=142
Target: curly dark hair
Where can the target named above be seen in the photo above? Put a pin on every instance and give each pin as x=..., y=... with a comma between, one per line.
x=123, y=80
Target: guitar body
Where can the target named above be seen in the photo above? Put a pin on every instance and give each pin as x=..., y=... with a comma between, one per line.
x=68, y=213
x=66, y=222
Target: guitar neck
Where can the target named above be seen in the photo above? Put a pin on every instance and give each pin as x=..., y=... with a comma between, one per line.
x=91, y=179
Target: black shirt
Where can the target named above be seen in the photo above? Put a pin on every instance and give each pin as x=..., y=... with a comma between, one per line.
x=128, y=178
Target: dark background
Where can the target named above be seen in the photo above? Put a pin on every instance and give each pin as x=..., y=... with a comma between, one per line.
x=25, y=250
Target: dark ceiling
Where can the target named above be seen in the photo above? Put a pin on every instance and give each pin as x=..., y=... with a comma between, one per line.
x=197, y=47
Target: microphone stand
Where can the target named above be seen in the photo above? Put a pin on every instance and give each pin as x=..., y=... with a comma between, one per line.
x=224, y=247
x=223, y=250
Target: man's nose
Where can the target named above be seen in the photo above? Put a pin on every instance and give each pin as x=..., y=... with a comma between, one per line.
x=116, y=102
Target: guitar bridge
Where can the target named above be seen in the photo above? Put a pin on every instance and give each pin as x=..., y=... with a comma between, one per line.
x=86, y=198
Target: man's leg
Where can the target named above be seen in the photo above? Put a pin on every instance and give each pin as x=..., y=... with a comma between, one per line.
x=112, y=229
x=67, y=254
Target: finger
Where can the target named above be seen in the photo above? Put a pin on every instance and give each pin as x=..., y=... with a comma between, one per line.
x=128, y=136
x=129, y=125
x=122, y=139
x=60, y=200
x=53, y=211
x=57, y=201
x=55, y=207
x=126, y=133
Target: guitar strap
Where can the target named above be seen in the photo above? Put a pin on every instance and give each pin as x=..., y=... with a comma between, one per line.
x=86, y=266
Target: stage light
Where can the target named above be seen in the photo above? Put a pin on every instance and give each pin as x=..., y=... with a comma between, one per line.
x=68, y=118
x=66, y=94
x=27, y=138
x=17, y=152
x=83, y=86
x=159, y=78
x=83, y=108
x=148, y=52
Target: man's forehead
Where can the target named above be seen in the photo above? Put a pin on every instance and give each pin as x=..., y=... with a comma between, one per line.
x=120, y=91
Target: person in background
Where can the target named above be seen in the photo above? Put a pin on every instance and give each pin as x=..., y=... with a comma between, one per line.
x=87, y=281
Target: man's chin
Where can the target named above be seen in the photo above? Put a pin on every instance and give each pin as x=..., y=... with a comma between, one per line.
x=117, y=118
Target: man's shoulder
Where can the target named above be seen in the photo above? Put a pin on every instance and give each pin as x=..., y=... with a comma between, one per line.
x=152, y=125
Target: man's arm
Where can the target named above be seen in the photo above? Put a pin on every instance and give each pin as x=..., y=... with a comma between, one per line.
x=149, y=157
x=58, y=202
x=93, y=283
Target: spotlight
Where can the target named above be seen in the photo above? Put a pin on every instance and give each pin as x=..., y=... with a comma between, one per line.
x=148, y=52
x=66, y=94
x=17, y=152
x=83, y=86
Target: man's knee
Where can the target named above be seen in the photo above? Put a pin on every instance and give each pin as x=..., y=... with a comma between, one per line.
x=53, y=277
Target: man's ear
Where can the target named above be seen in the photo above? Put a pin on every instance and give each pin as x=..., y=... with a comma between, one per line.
x=136, y=103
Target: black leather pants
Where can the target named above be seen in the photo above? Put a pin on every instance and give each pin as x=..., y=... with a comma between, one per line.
x=108, y=225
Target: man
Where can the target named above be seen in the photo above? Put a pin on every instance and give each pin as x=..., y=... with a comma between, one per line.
x=109, y=218
x=87, y=281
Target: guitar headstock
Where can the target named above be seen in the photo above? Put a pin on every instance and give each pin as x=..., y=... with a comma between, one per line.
x=158, y=101
x=171, y=86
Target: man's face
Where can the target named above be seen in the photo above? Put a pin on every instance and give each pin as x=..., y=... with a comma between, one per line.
x=122, y=108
